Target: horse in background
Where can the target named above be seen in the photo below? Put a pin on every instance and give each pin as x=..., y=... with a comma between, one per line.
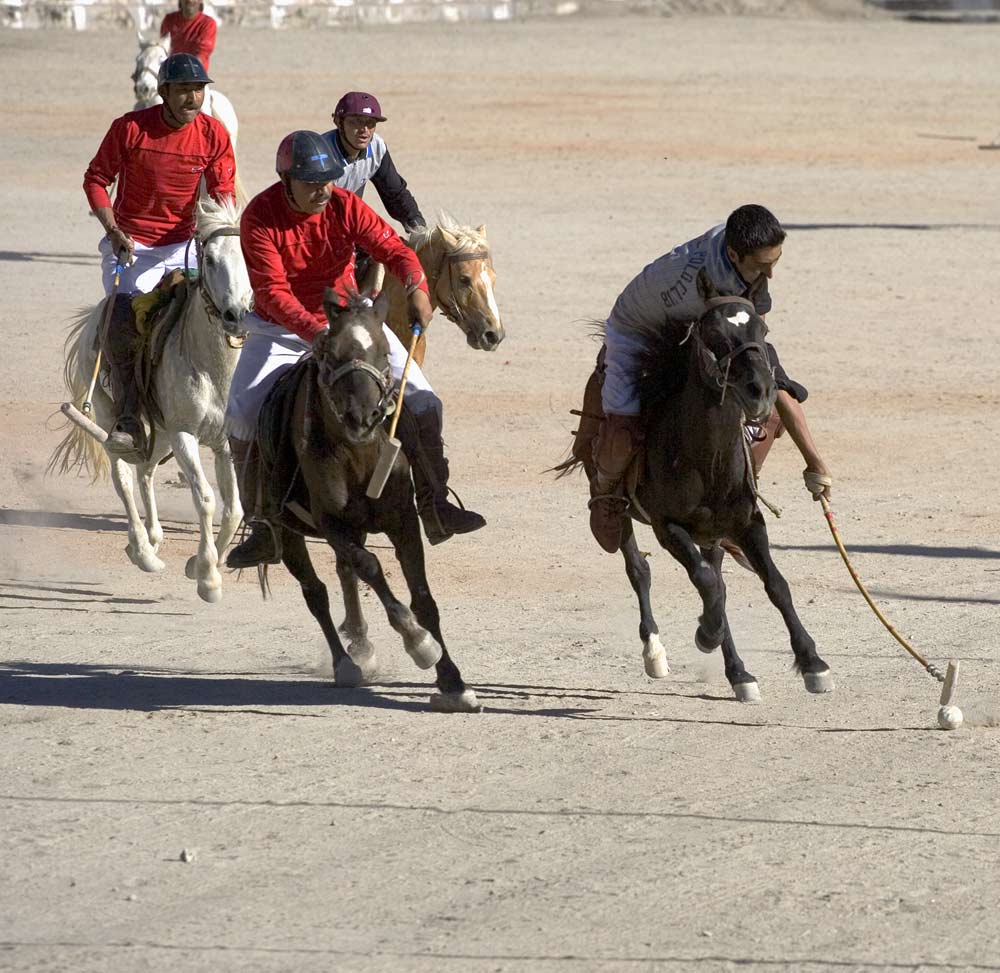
x=193, y=365
x=458, y=265
x=320, y=434
x=695, y=484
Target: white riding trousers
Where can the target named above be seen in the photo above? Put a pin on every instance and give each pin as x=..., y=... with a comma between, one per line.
x=149, y=265
x=269, y=352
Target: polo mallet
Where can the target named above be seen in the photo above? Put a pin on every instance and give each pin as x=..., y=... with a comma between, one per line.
x=389, y=452
x=88, y=405
x=949, y=716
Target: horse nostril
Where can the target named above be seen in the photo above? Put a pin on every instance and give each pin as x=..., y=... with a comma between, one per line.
x=491, y=339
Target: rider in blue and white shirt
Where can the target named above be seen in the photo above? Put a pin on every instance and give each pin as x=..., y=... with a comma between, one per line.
x=665, y=294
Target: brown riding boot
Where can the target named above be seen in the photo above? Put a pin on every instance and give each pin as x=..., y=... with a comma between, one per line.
x=616, y=445
x=420, y=436
x=260, y=546
x=127, y=438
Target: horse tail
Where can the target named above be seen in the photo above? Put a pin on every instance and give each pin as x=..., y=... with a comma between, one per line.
x=78, y=449
x=569, y=465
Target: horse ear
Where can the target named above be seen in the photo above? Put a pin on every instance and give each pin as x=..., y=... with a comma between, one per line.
x=332, y=305
x=760, y=284
x=381, y=305
x=481, y=230
x=706, y=288
x=450, y=240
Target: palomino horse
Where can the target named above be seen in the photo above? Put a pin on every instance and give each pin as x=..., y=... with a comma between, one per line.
x=321, y=430
x=459, y=270
x=190, y=387
x=152, y=53
x=697, y=485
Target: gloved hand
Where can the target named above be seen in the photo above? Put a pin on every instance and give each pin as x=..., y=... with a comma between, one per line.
x=818, y=484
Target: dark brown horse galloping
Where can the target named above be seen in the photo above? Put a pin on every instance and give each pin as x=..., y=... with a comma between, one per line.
x=333, y=405
x=697, y=487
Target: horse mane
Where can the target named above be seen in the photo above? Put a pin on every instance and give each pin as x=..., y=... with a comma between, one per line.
x=468, y=239
x=211, y=214
x=661, y=362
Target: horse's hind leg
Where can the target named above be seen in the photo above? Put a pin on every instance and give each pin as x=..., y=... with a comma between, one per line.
x=815, y=672
x=139, y=549
x=654, y=656
x=204, y=566
x=744, y=685
x=455, y=696
x=712, y=622
x=355, y=628
x=296, y=558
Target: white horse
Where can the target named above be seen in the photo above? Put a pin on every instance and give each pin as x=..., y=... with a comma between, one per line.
x=152, y=53
x=191, y=386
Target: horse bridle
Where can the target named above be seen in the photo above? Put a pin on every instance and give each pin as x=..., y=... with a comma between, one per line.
x=234, y=341
x=451, y=309
x=383, y=379
x=717, y=368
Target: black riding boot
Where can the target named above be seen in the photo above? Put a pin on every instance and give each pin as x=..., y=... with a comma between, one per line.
x=420, y=436
x=127, y=438
x=260, y=546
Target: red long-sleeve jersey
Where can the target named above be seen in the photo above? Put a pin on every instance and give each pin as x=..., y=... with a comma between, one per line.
x=195, y=36
x=158, y=170
x=293, y=257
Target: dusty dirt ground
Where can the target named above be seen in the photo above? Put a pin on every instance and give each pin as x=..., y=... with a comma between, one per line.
x=590, y=819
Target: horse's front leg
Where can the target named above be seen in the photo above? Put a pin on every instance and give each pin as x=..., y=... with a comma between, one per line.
x=455, y=696
x=815, y=672
x=229, y=494
x=139, y=549
x=355, y=628
x=712, y=622
x=419, y=643
x=146, y=473
x=295, y=556
x=654, y=656
x=202, y=567
x=744, y=684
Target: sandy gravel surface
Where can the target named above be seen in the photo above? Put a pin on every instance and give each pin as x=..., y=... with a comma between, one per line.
x=590, y=819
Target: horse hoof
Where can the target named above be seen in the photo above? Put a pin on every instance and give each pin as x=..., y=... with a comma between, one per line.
x=425, y=652
x=191, y=568
x=463, y=702
x=747, y=692
x=818, y=682
x=147, y=561
x=654, y=659
x=211, y=595
x=707, y=643
x=347, y=674
x=362, y=654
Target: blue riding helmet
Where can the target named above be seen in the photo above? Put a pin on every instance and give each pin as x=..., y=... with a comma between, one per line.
x=182, y=69
x=308, y=157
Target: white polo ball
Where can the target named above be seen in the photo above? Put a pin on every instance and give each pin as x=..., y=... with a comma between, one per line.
x=950, y=717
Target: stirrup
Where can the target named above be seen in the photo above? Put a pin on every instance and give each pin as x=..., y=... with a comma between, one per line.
x=246, y=539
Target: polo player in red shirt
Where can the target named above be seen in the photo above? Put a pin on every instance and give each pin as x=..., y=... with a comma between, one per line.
x=159, y=156
x=191, y=30
x=299, y=236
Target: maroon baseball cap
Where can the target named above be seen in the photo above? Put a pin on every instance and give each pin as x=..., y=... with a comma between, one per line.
x=359, y=103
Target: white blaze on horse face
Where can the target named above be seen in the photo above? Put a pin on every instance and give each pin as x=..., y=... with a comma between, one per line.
x=361, y=336
x=484, y=276
x=740, y=317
